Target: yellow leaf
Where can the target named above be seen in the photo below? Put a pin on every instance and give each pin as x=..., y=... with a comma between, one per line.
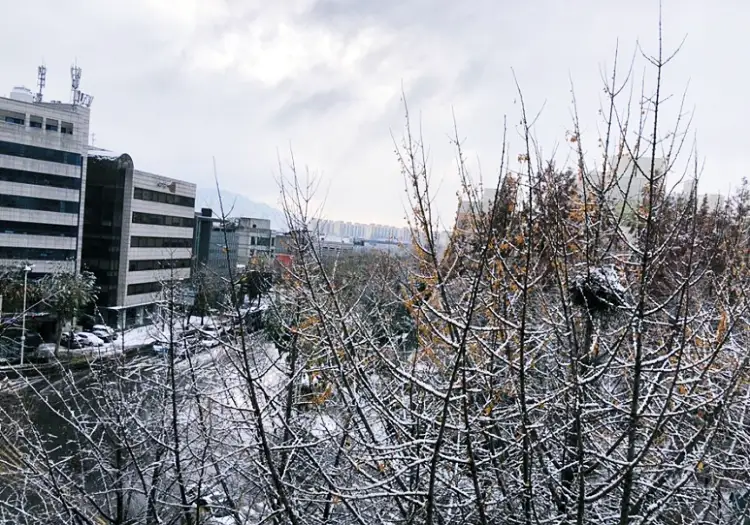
x=721, y=330
x=700, y=466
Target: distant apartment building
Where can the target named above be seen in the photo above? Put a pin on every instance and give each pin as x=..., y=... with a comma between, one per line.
x=360, y=231
x=626, y=182
x=714, y=201
x=234, y=243
x=137, y=235
x=43, y=148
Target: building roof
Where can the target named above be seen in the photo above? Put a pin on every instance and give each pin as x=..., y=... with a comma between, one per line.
x=103, y=153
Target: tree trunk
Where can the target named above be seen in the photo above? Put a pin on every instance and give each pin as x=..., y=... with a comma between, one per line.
x=58, y=337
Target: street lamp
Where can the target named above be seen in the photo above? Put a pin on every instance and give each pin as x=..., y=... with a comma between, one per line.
x=26, y=269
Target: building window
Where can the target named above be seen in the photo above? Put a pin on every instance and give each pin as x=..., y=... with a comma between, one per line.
x=166, y=198
x=161, y=264
x=36, y=254
x=160, y=242
x=141, y=288
x=39, y=179
x=35, y=228
x=162, y=220
x=51, y=125
x=34, y=152
x=38, y=204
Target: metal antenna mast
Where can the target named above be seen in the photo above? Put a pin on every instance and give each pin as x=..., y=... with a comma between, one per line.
x=41, y=82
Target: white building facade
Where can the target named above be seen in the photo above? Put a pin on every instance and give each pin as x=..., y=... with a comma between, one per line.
x=43, y=149
x=138, y=235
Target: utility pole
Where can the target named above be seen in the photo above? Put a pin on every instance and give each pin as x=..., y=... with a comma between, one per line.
x=26, y=270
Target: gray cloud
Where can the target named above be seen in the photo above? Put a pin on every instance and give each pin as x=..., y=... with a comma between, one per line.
x=313, y=105
x=177, y=82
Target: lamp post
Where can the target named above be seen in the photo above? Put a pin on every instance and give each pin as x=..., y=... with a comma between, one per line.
x=26, y=269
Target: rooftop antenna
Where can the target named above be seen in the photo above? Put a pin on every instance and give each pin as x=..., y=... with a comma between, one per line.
x=75, y=82
x=41, y=82
x=79, y=97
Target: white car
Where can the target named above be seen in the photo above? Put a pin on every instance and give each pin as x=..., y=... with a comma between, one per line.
x=89, y=339
x=104, y=328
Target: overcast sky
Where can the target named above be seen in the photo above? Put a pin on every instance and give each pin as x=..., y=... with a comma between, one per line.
x=179, y=81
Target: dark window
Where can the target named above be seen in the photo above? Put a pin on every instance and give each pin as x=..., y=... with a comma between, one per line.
x=37, y=153
x=51, y=126
x=264, y=241
x=160, y=196
x=162, y=220
x=39, y=179
x=137, y=289
x=35, y=203
x=160, y=242
x=34, y=228
x=34, y=124
x=13, y=120
x=140, y=266
x=33, y=254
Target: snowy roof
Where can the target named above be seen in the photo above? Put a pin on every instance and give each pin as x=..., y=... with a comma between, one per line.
x=103, y=153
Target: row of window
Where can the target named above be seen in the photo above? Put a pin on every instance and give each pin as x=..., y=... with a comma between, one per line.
x=141, y=288
x=39, y=179
x=162, y=220
x=36, y=122
x=37, y=153
x=166, y=198
x=38, y=204
x=160, y=242
x=140, y=266
x=34, y=228
x=261, y=241
x=36, y=254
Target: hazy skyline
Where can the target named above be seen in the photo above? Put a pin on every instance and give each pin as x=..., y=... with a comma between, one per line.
x=177, y=82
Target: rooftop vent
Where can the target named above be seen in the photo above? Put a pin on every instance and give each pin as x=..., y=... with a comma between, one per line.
x=22, y=94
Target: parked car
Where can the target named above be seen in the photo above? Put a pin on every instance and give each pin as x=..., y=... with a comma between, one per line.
x=13, y=334
x=211, y=335
x=104, y=336
x=209, y=342
x=104, y=328
x=180, y=349
x=89, y=339
x=70, y=341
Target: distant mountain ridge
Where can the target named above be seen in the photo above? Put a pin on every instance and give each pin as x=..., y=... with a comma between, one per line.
x=236, y=205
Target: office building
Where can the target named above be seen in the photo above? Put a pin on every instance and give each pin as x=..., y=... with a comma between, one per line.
x=204, y=224
x=43, y=148
x=137, y=235
x=236, y=242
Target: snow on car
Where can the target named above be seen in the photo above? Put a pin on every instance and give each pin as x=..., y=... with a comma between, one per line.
x=89, y=339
